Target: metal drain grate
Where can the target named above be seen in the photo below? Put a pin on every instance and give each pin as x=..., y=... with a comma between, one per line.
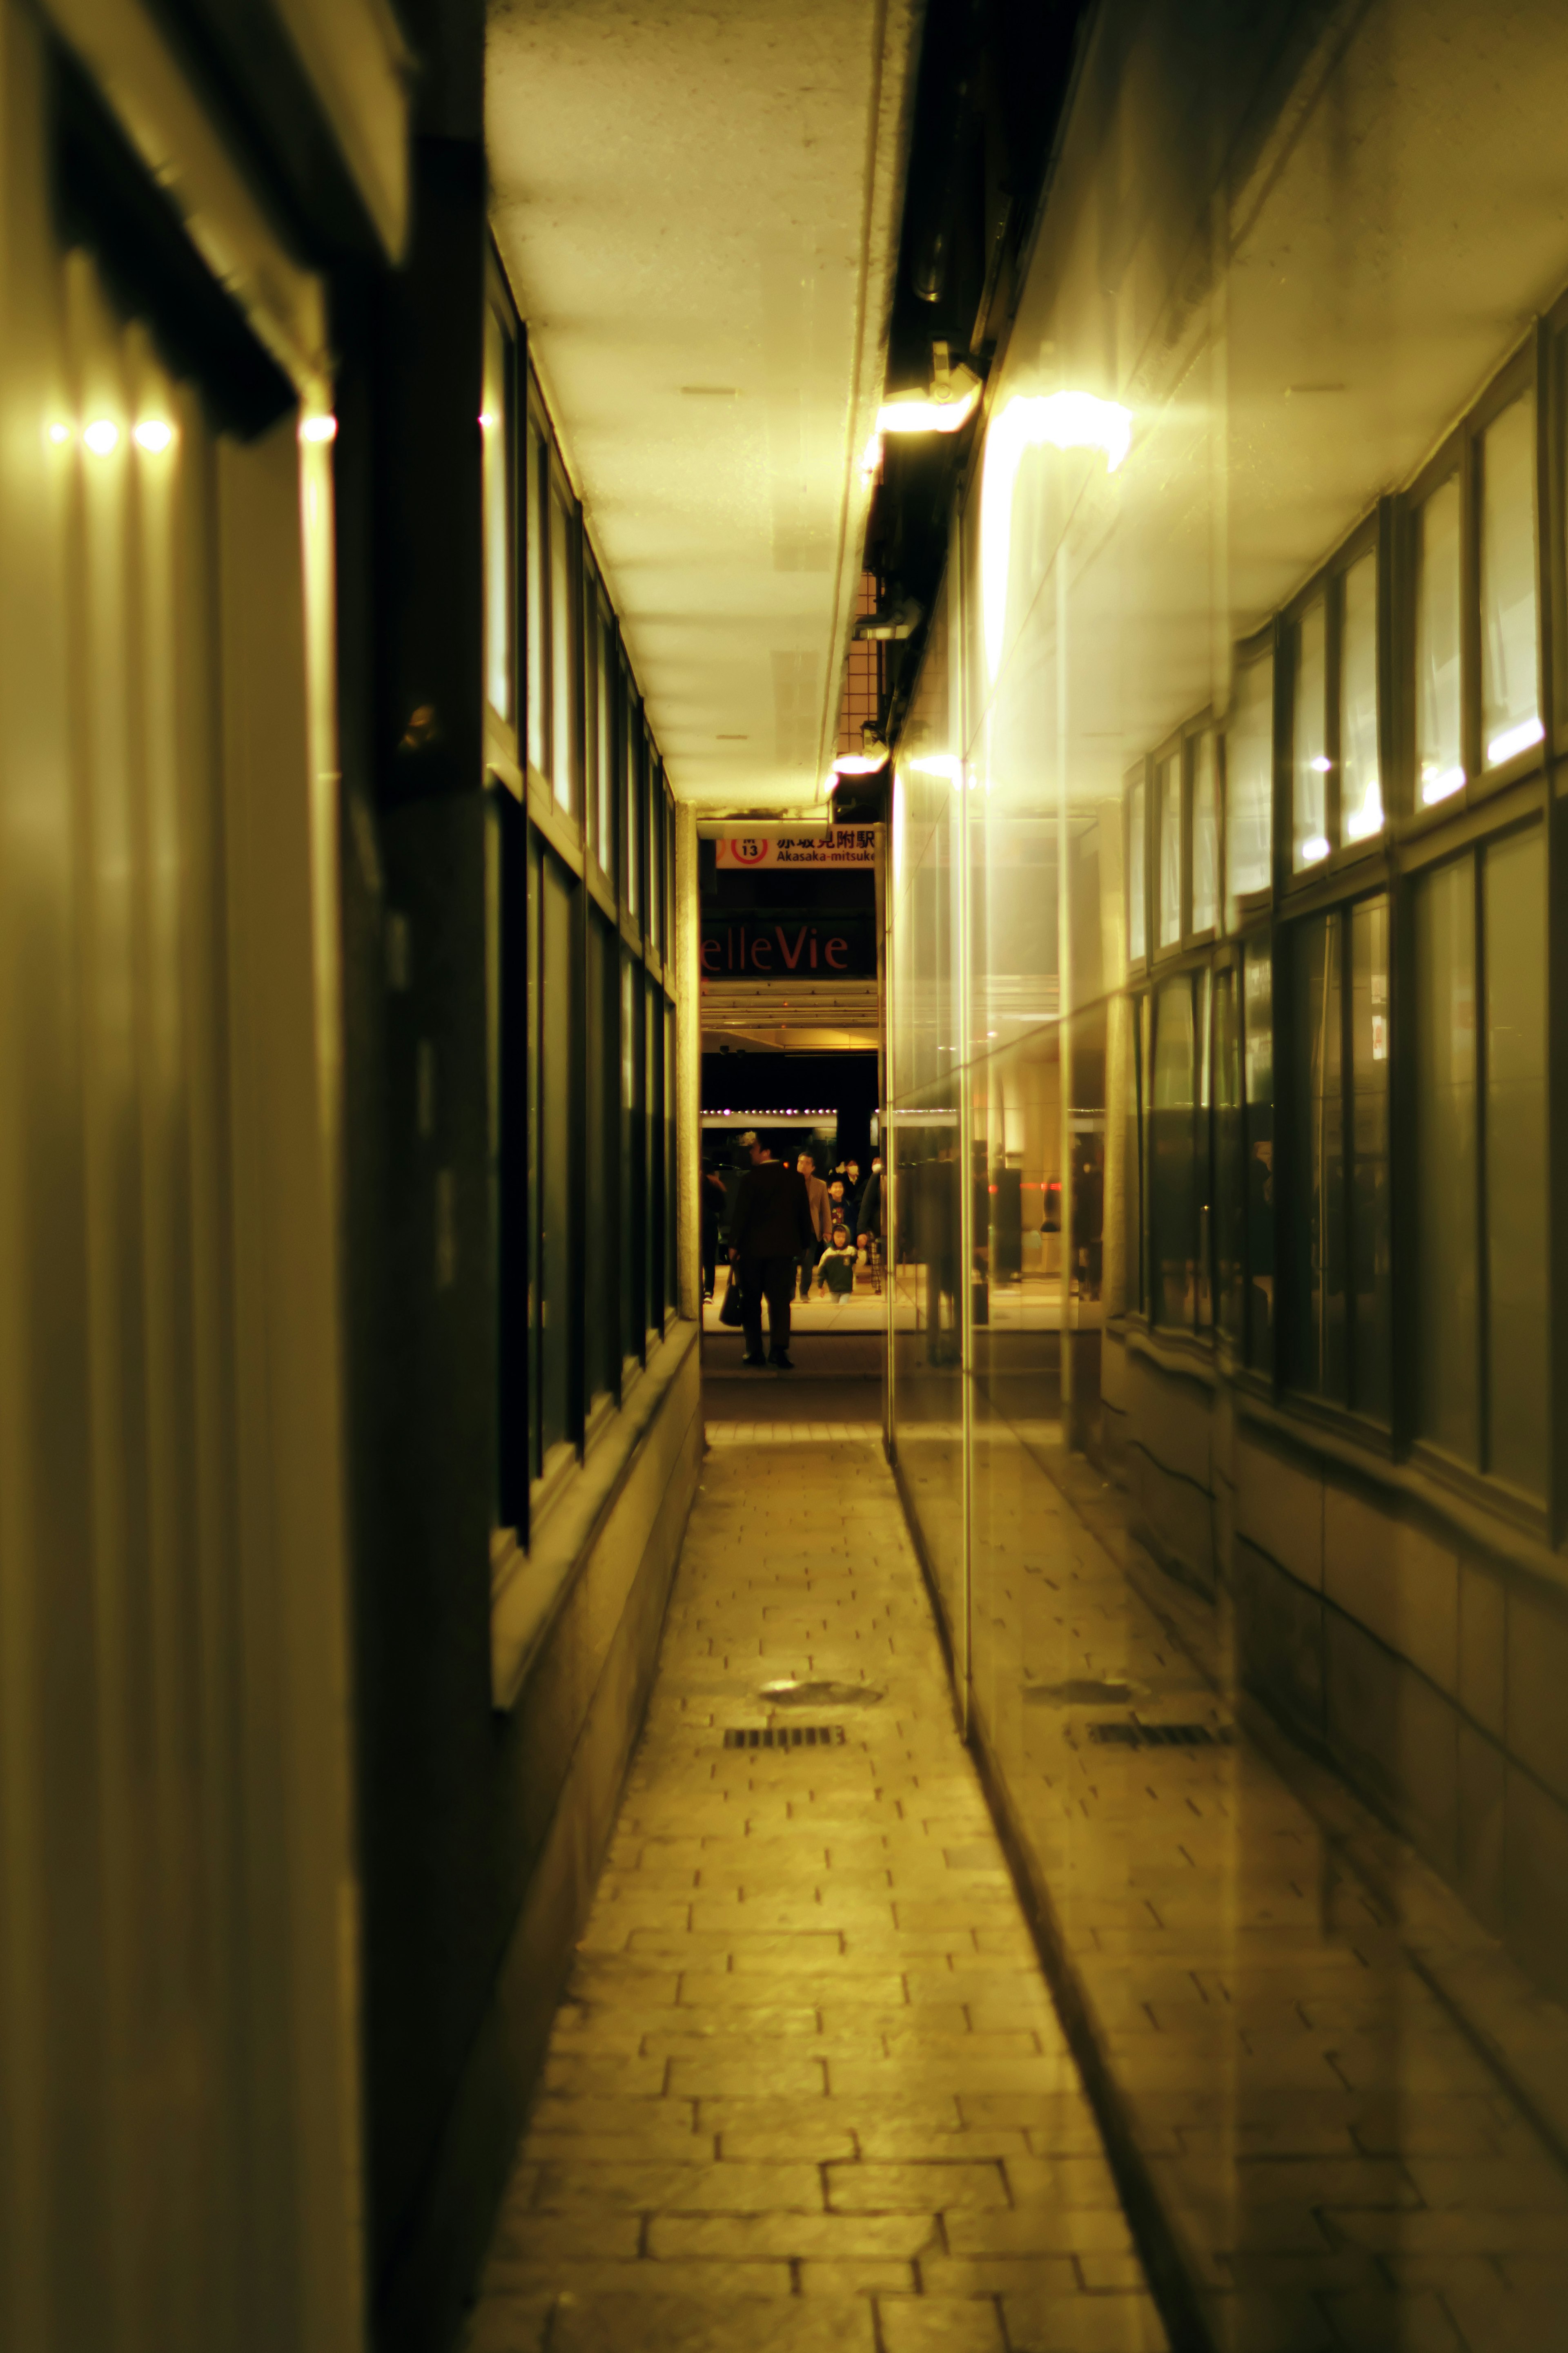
x=787, y=1736
x=1155, y=1736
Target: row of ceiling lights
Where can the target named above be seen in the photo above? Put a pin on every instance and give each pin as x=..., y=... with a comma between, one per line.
x=101, y=436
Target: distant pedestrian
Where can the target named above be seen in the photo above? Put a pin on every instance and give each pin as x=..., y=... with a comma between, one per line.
x=821, y=1220
x=836, y=1267
x=770, y=1227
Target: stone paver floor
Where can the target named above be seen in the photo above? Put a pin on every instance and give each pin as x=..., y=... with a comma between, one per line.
x=807, y=2088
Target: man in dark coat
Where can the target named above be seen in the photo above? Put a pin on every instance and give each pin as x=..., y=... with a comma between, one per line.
x=770, y=1227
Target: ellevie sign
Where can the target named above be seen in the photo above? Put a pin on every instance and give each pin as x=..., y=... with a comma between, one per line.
x=765, y=845
x=795, y=947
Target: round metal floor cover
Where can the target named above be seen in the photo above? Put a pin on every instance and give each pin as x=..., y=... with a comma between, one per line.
x=790, y=1694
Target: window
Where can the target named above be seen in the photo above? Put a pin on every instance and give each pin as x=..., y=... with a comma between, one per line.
x=1511, y=698
x=563, y=653
x=607, y=671
x=1137, y=942
x=555, y=1301
x=1445, y=1160
x=602, y=1356
x=592, y=679
x=1172, y=1203
x=1439, y=757
x=1514, y=921
x=1339, y=1334
x=1257, y=1048
x=538, y=610
x=1169, y=815
x=1249, y=782
x=1206, y=840
x=1230, y=1191
x=1309, y=766
x=631, y=836
x=1137, y=1019
x=1360, y=776
x=495, y=424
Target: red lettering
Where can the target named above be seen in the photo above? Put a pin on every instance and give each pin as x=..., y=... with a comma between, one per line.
x=813, y=951
x=710, y=955
x=761, y=948
x=833, y=951
x=799, y=944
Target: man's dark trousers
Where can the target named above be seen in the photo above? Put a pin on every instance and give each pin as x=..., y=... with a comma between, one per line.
x=771, y=1279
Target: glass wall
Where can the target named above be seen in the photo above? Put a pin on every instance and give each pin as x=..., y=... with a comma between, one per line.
x=1218, y=958
x=582, y=1029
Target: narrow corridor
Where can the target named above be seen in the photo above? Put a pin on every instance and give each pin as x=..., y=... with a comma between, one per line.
x=807, y=2088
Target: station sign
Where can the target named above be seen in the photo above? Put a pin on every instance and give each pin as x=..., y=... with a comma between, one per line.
x=763, y=846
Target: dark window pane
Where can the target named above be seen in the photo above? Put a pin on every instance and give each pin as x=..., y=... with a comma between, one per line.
x=1257, y=1042
x=495, y=425
x=1202, y=1171
x=1372, y=1322
x=633, y=1170
x=1132, y=1155
x=555, y=1299
x=1445, y=1011
x=1171, y=1208
x=1316, y=1261
x=1230, y=1191
x=604, y=710
x=1514, y=881
x=601, y=1354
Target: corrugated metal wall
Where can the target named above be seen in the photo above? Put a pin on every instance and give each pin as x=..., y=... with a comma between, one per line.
x=178, y=2153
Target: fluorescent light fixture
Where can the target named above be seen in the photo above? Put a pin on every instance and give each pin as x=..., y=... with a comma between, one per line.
x=1314, y=848
x=102, y=437
x=318, y=429
x=154, y=434
x=859, y=764
x=1437, y=784
x=1057, y=420
x=1362, y=823
x=1513, y=739
x=1322, y=764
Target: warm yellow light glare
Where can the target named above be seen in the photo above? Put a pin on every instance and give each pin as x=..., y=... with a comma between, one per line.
x=1060, y=420
x=102, y=437
x=860, y=763
x=154, y=434
x=1322, y=764
x=1512, y=741
x=1437, y=784
x=1314, y=848
x=1362, y=823
x=489, y=419
x=319, y=428
x=60, y=433
x=916, y=412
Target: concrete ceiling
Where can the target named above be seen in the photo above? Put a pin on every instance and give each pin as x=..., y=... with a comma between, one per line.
x=697, y=208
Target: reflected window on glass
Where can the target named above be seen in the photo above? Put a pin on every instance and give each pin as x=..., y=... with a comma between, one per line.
x=591, y=724
x=1205, y=838
x=1446, y=1388
x=1168, y=815
x=1258, y=1051
x=1203, y=1193
x=1514, y=916
x=1440, y=756
x=1249, y=781
x=1137, y=942
x=1370, y=1256
x=1317, y=1260
x=495, y=419
x=1230, y=1170
x=1360, y=779
x=1309, y=766
x=1511, y=700
x=1172, y=1217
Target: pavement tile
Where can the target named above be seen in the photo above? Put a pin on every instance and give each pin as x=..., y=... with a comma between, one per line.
x=928, y=2324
